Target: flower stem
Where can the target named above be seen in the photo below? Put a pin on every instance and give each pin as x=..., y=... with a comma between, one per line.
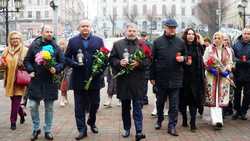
x=87, y=85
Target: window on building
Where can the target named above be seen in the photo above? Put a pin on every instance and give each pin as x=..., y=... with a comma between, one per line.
x=125, y=11
x=183, y=25
x=30, y=1
x=144, y=9
x=104, y=10
x=124, y=1
x=164, y=10
x=21, y=14
x=154, y=10
x=46, y=14
x=193, y=1
x=135, y=10
x=154, y=25
x=144, y=25
x=114, y=0
x=29, y=14
x=173, y=10
x=104, y=1
x=183, y=1
x=38, y=15
x=183, y=11
x=38, y=2
x=114, y=11
x=46, y=2
x=193, y=11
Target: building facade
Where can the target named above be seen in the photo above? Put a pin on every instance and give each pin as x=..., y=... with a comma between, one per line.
x=112, y=15
x=38, y=12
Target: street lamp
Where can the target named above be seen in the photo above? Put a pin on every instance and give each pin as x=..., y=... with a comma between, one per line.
x=4, y=7
x=242, y=11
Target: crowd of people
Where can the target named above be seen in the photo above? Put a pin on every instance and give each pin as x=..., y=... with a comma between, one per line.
x=189, y=71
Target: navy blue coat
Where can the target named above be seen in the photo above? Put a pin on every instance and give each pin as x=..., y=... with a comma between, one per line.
x=80, y=74
x=42, y=86
x=242, y=70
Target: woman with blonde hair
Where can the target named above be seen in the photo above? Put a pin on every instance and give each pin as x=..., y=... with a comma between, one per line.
x=218, y=63
x=11, y=60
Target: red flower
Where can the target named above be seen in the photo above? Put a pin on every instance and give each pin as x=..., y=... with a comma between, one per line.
x=146, y=49
x=104, y=50
x=210, y=62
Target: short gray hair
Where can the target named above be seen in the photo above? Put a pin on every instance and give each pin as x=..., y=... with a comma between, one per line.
x=133, y=25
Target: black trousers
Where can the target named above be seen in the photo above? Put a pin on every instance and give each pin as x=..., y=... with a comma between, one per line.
x=137, y=114
x=83, y=100
x=161, y=97
x=242, y=108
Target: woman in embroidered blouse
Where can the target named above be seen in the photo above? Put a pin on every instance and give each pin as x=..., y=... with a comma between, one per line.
x=218, y=62
x=11, y=60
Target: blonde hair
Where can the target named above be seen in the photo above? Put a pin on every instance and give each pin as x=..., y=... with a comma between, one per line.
x=15, y=33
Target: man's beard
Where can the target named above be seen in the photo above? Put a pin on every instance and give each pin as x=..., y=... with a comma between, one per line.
x=131, y=37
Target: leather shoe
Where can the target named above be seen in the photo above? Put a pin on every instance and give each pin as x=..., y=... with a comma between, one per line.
x=235, y=116
x=48, y=136
x=93, y=127
x=35, y=135
x=22, y=119
x=140, y=136
x=126, y=133
x=243, y=117
x=173, y=132
x=13, y=126
x=81, y=135
x=157, y=125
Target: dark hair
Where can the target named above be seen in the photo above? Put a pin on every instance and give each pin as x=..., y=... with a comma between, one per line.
x=184, y=36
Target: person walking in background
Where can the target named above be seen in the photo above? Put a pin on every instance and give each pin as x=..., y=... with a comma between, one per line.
x=43, y=86
x=228, y=110
x=166, y=73
x=66, y=77
x=145, y=41
x=192, y=93
x=242, y=74
x=12, y=60
x=130, y=86
x=111, y=90
x=218, y=63
x=79, y=56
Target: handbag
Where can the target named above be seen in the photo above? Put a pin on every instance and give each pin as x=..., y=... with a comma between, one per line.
x=22, y=77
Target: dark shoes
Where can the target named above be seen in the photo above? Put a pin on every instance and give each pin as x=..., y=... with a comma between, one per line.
x=218, y=126
x=81, y=135
x=173, y=132
x=93, y=127
x=35, y=135
x=193, y=128
x=13, y=126
x=22, y=119
x=140, y=136
x=126, y=133
x=48, y=136
x=157, y=125
x=243, y=117
x=237, y=116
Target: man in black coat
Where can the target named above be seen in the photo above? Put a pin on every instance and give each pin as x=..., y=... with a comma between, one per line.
x=43, y=86
x=130, y=86
x=166, y=73
x=242, y=74
x=79, y=56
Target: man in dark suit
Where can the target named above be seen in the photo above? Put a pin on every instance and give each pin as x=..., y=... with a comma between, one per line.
x=130, y=86
x=79, y=55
